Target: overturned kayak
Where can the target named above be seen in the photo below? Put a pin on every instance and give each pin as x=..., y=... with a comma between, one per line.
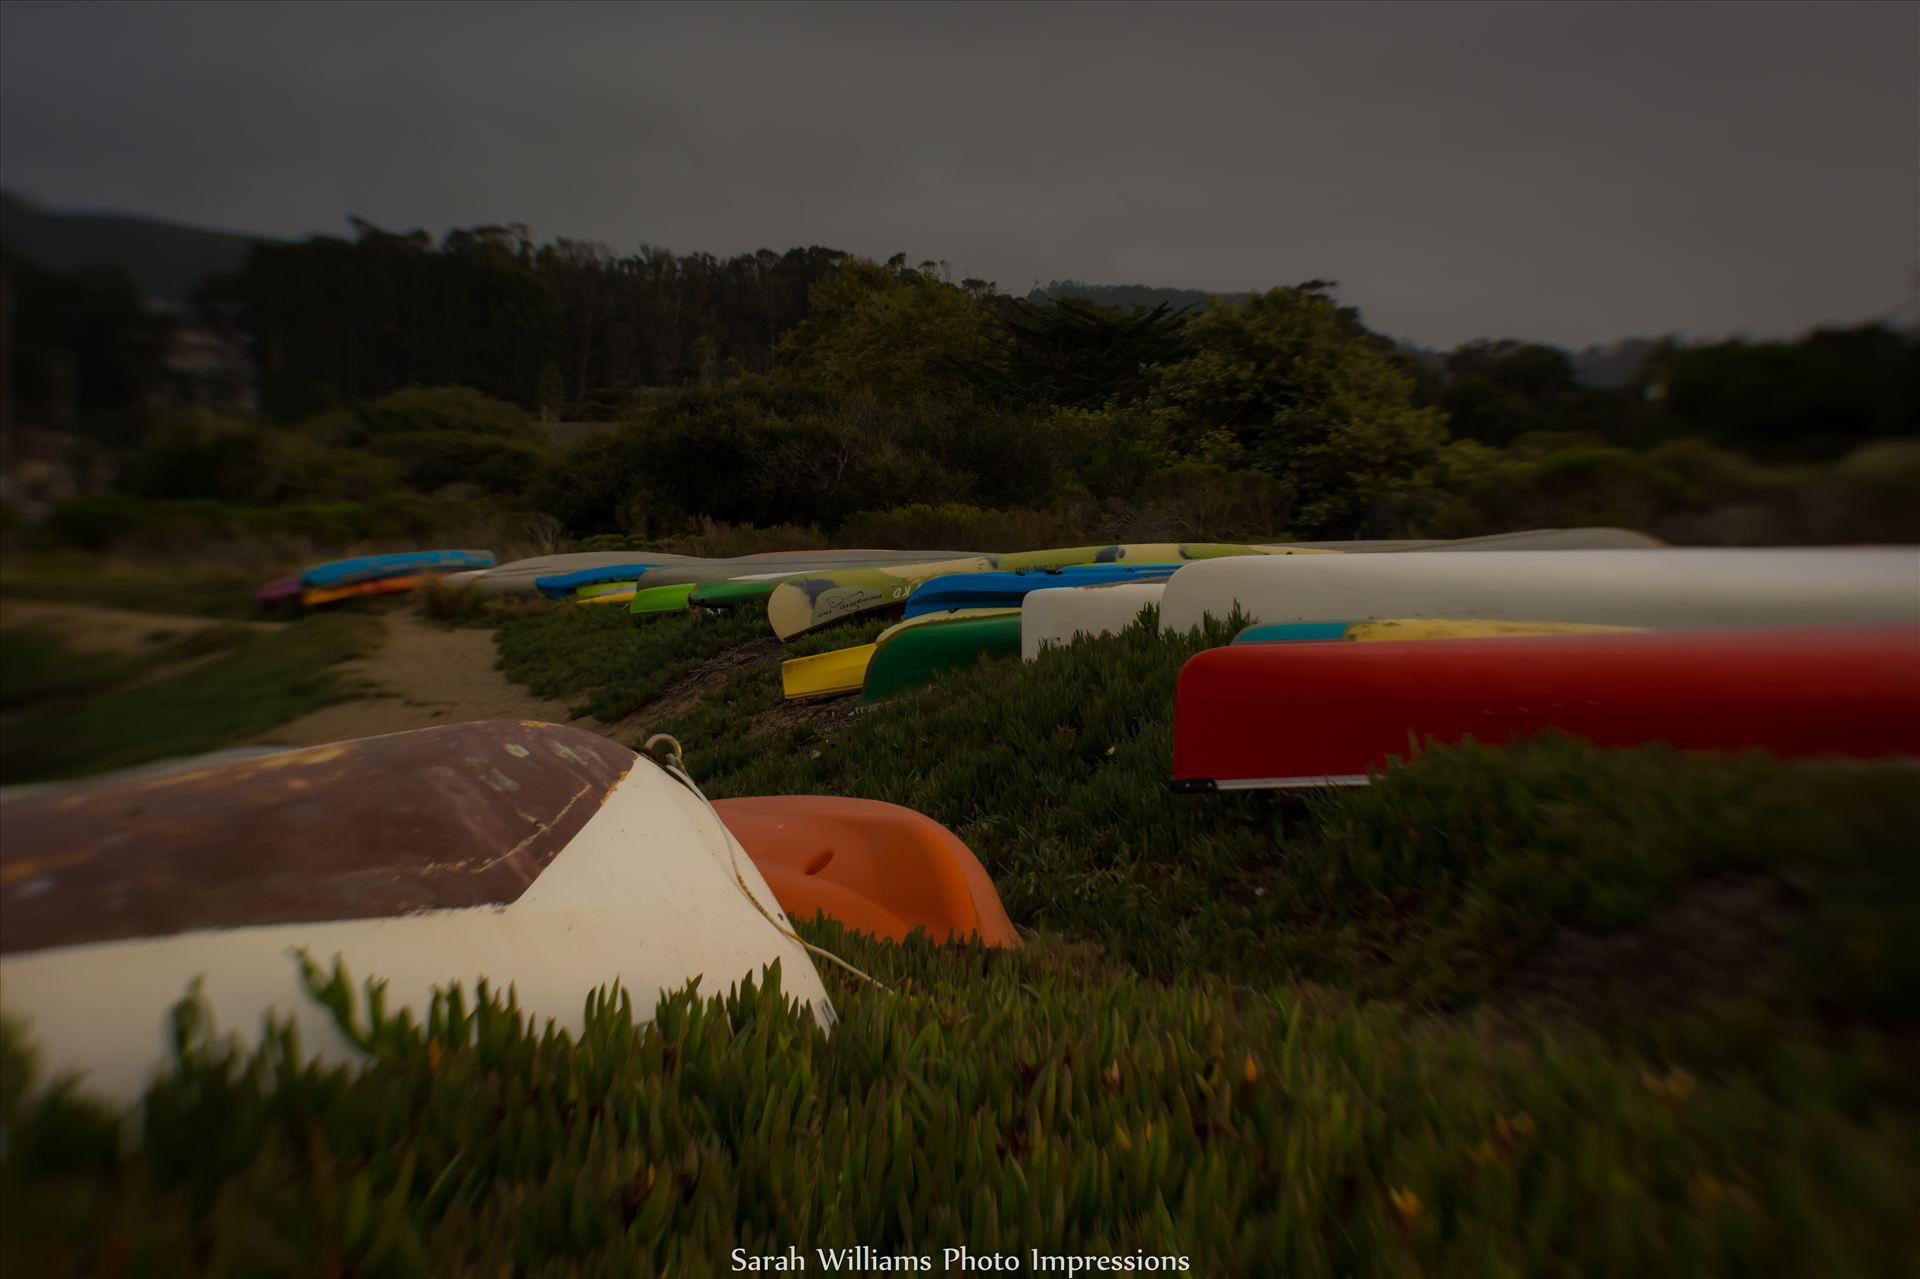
x=844, y=670
x=1659, y=588
x=737, y=593
x=875, y=868
x=558, y=586
x=809, y=602
x=1418, y=628
x=534, y=855
x=914, y=656
x=1051, y=619
x=1119, y=553
x=652, y=601
x=803, y=604
x=281, y=592
x=314, y=597
x=367, y=568
x=1007, y=589
x=520, y=576
x=1273, y=716
x=1536, y=539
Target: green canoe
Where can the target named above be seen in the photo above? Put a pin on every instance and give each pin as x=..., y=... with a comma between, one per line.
x=730, y=594
x=914, y=656
x=660, y=599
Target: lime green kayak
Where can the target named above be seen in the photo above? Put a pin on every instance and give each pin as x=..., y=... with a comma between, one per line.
x=730, y=594
x=914, y=656
x=597, y=589
x=660, y=599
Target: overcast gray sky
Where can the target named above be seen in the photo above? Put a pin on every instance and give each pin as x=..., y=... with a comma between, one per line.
x=1568, y=172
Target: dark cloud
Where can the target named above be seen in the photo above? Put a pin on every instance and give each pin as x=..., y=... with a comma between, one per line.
x=1571, y=172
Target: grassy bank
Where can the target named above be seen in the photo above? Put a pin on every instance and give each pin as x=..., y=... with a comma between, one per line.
x=67, y=713
x=1539, y=1010
x=101, y=583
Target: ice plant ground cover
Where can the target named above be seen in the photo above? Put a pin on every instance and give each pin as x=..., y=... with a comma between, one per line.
x=1537, y=1009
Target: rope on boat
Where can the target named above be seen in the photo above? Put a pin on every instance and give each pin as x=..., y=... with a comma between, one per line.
x=673, y=760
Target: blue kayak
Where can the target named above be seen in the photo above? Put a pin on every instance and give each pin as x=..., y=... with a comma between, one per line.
x=1007, y=589
x=561, y=585
x=370, y=568
x=1292, y=632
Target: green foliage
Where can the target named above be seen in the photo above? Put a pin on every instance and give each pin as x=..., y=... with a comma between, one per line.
x=1256, y=1069
x=1002, y=1102
x=1816, y=397
x=1292, y=384
x=1080, y=355
x=432, y=460
x=84, y=579
x=113, y=521
x=195, y=453
x=86, y=352
x=615, y=663
x=1090, y=843
x=73, y=714
x=550, y=393
x=458, y=410
x=956, y=526
x=896, y=334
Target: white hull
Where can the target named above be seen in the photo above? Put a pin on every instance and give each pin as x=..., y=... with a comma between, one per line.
x=1063, y=614
x=644, y=895
x=1654, y=588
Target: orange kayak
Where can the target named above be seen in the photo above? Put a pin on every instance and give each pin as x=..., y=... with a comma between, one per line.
x=379, y=586
x=873, y=867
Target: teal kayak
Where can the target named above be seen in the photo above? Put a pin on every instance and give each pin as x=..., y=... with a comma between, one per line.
x=914, y=656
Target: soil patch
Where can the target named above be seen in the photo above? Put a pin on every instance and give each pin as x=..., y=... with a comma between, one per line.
x=421, y=676
x=1721, y=939
x=685, y=693
x=826, y=715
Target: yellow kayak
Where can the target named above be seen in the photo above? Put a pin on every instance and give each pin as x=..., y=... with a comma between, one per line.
x=844, y=670
x=1423, y=628
x=611, y=597
x=1414, y=628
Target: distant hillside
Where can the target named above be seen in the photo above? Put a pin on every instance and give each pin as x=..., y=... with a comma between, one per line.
x=167, y=260
x=1126, y=295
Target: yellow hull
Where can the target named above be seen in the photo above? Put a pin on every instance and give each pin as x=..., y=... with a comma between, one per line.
x=1425, y=628
x=844, y=670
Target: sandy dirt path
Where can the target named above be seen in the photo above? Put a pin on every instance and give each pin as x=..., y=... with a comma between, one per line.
x=421, y=676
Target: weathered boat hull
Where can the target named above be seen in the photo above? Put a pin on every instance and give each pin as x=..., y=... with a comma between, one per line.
x=528, y=854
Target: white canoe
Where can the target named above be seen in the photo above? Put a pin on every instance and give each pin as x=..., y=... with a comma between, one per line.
x=1063, y=615
x=1049, y=618
x=533, y=855
x=1657, y=588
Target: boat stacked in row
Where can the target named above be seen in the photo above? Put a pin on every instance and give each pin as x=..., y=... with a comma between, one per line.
x=364, y=575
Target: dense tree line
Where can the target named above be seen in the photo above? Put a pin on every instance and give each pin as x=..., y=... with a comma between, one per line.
x=335, y=320
x=84, y=351
x=813, y=389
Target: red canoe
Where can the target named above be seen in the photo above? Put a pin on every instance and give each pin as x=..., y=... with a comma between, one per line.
x=1267, y=716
